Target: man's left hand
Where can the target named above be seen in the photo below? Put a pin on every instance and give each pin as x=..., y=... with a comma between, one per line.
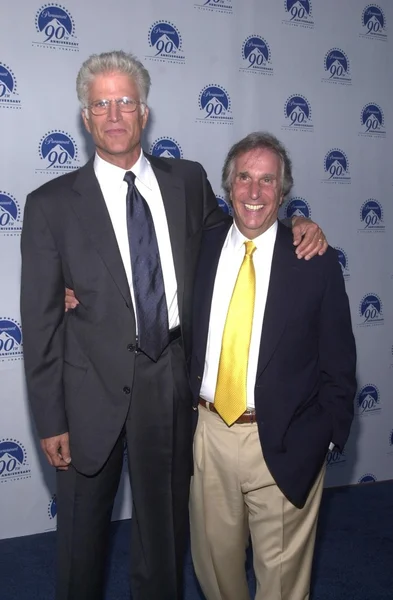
x=308, y=237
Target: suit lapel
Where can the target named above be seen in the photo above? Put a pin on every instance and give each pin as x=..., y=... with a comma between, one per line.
x=212, y=243
x=173, y=196
x=280, y=298
x=89, y=205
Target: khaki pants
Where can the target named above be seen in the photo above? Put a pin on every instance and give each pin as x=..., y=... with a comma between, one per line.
x=233, y=495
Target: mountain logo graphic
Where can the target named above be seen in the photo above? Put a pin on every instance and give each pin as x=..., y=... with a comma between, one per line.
x=297, y=112
x=166, y=147
x=215, y=104
x=374, y=22
x=336, y=66
x=9, y=97
x=298, y=207
x=256, y=52
x=371, y=215
x=165, y=38
x=55, y=28
x=368, y=400
x=336, y=165
x=10, y=215
x=372, y=120
x=13, y=461
x=371, y=310
x=10, y=340
x=58, y=151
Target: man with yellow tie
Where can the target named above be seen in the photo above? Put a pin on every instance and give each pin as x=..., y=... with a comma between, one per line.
x=273, y=378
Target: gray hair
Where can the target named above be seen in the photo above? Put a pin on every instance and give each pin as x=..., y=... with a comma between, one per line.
x=254, y=141
x=116, y=61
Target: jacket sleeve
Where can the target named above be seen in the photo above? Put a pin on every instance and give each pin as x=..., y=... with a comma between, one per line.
x=42, y=313
x=337, y=353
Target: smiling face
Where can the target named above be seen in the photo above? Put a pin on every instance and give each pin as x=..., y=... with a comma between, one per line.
x=116, y=135
x=256, y=191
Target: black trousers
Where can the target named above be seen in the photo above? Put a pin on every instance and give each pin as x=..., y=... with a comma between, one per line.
x=159, y=442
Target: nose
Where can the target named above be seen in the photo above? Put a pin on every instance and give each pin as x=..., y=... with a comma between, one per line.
x=255, y=190
x=113, y=112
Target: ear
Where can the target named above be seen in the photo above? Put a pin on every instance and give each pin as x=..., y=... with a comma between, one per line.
x=145, y=116
x=85, y=120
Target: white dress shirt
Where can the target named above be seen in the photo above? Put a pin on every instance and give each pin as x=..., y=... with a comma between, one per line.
x=231, y=258
x=114, y=190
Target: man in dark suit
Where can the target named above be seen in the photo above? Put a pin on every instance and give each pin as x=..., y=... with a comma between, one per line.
x=273, y=379
x=124, y=233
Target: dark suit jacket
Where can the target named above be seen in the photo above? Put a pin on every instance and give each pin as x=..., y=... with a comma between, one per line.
x=79, y=365
x=305, y=382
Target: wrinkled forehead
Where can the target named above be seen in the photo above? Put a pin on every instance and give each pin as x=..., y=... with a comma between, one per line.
x=112, y=84
x=259, y=160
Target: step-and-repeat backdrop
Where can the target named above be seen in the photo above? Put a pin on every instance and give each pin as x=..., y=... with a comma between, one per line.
x=317, y=74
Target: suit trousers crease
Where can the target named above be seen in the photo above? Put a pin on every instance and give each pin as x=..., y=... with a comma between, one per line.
x=158, y=435
x=233, y=494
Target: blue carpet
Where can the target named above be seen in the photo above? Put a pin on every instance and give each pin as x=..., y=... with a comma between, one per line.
x=353, y=557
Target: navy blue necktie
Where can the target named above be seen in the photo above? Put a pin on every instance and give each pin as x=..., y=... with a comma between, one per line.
x=147, y=278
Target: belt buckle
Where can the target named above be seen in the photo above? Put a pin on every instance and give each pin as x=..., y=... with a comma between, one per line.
x=250, y=412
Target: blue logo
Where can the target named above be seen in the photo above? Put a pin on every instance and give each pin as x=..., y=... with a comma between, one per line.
x=10, y=340
x=256, y=56
x=215, y=104
x=166, y=41
x=336, y=167
x=55, y=28
x=52, y=507
x=8, y=86
x=58, y=153
x=297, y=112
x=367, y=478
x=221, y=6
x=371, y=216
x=13, y=461
x=224, y=205
x=372, y=121
x=299, y=13
x=297, y=207
x=343, y=260
x=337, y=68
x=166, y=147
x=370, y=310
x=374, y=23
x=368, y=400
x=334, y=458
x=10, y=215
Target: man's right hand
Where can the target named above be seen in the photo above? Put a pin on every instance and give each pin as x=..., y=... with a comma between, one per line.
x=70, y=301
x=57, y=451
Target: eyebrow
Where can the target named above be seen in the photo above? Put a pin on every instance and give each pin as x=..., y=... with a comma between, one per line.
x=264, y=175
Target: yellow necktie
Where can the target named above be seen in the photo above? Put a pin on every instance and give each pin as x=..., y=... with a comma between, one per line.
x=230, y=399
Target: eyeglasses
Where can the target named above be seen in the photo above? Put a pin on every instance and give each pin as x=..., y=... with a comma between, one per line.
x=124, y=104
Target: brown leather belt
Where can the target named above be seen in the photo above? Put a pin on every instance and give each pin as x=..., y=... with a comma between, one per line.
x=247, y=417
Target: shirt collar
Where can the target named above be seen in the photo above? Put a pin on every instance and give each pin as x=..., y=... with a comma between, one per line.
x=108, y=172
x=236, y=239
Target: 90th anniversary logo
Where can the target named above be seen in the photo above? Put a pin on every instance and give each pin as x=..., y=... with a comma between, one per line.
x=13, y=461
x=371, y=217
x=215, y=105
x=166, y=41
x=256, y=56
x=58, y=153
x=166, y=147
x=371, y=310
x=218, y=6
x=10, y=340
x=374, y=23
x=55, y=28
x=336, y=166
x=298, y=207
x=368, y=400
x=372, y=121
x=10, y=215
x=9, y=98
x=299, y=13
x=337, y=67
x=297, y=112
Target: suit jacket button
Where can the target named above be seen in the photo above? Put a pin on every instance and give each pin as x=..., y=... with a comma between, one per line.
x=194, y=408
x=199, y=377
x=126, y=389
x=131, y=347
